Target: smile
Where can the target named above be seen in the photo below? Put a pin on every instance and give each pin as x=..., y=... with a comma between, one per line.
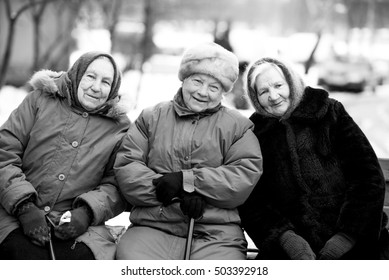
x=198, y=100
x=92, y=97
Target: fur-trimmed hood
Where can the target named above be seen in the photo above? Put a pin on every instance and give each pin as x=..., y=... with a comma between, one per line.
x=54, y=84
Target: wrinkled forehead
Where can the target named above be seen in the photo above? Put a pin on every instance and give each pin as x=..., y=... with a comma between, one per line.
x=263, y=68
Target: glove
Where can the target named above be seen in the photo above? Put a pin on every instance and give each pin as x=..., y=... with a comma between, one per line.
x=33, y=222
x=296, y=247
x=79, y=222
x=168, y=187
x=192, y=204
x=336, y=247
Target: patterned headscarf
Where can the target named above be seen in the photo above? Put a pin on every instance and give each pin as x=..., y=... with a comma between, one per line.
x=71, y=80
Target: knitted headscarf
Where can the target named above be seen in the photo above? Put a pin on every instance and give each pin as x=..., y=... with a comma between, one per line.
x=294, y=80
x=72, y=78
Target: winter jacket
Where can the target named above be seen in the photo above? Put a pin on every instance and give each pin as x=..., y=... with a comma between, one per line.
x=321, y=176
x=217, y=152
x=62, y=156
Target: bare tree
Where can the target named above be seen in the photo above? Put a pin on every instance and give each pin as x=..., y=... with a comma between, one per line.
x=12, y=17
x=111, y=10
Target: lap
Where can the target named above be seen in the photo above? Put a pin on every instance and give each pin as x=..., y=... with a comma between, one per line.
x=17, y=246
x=146, y=243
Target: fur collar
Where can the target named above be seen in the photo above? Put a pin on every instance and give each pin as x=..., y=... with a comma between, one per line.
x=312, y=108
x=50, y=82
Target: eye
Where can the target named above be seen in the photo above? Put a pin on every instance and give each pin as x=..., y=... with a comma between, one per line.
x=262, y=92
x=106, y=82
x=197, y=81
x=214, y=88
x=278, y=85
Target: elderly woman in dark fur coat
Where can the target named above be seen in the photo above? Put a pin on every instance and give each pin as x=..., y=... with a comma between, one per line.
x=322, y=190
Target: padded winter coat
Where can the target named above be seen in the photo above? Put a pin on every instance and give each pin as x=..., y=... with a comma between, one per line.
x=217, y=152
x=63, y=156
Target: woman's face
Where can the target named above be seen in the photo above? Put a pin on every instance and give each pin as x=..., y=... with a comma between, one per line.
x=201, y=92
x=96, y=83
x=272, y=90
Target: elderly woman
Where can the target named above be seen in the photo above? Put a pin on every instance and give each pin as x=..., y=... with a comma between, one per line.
x=189, y=158
x=57, y=152
x=322, y=190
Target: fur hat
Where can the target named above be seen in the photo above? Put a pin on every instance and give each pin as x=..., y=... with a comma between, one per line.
x=211, y=59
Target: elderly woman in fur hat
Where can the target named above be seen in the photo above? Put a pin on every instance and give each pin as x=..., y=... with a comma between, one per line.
x=189, y=158
x=322, y=190
x=57, y=152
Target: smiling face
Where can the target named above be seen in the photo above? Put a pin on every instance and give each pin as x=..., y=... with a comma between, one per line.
x=96, y=83
x=201, y=92
x=272, y=89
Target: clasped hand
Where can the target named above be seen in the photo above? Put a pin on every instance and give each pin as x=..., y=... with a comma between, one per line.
x=170, y=186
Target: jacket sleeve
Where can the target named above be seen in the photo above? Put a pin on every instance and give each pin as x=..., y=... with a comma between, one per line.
x=105, y=200
x=131, y=170
x=229, y=185
x=14, y=137
x=362, y=208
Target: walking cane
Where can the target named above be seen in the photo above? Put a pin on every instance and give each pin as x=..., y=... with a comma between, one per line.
x=189, y=238
x=52, y=255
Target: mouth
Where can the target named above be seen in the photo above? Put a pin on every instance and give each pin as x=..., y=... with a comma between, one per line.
x=277, y=103
x=92, y=97
x=199, y=100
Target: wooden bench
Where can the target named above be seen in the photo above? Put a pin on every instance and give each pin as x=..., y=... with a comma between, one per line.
x=117, y=231
x=384, y=162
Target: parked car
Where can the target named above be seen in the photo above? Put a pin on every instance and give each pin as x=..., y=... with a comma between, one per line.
x=347, y=73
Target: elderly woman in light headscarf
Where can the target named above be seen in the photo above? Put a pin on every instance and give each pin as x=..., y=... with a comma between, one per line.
x=322, y=191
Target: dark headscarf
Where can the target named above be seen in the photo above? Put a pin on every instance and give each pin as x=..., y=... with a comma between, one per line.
x=70, y=81
x=294, y=80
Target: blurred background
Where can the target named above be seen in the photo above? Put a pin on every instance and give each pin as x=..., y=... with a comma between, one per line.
x=340, y=45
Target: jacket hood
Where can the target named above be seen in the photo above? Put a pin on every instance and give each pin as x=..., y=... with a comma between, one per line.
x=54, y=84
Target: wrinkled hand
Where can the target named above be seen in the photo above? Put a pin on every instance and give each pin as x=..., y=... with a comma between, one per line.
x=33, y=222
x=79, y=223
x=336, y=247
x=192, y=204
x=168, y=187
x=296, y=247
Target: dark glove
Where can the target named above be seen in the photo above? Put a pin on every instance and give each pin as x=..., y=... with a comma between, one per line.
x=168, y=187
x=33, y=222
x=296, y=247
x=336, y=247
x=192, y=204
x=79, y=222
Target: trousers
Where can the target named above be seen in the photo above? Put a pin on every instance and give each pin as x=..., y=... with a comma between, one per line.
x=17, y=246
x=224, y=242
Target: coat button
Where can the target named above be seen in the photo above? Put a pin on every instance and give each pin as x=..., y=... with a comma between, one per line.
x=85, y=114
x=74, y=144
x=186, y=157
x=47, y=208
x=61, y=177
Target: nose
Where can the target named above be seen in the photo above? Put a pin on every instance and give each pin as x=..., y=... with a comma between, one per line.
x=202, y=91
x=273, y=95
x=95, y=86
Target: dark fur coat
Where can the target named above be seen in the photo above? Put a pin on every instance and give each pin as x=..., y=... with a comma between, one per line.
x=320, y=176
